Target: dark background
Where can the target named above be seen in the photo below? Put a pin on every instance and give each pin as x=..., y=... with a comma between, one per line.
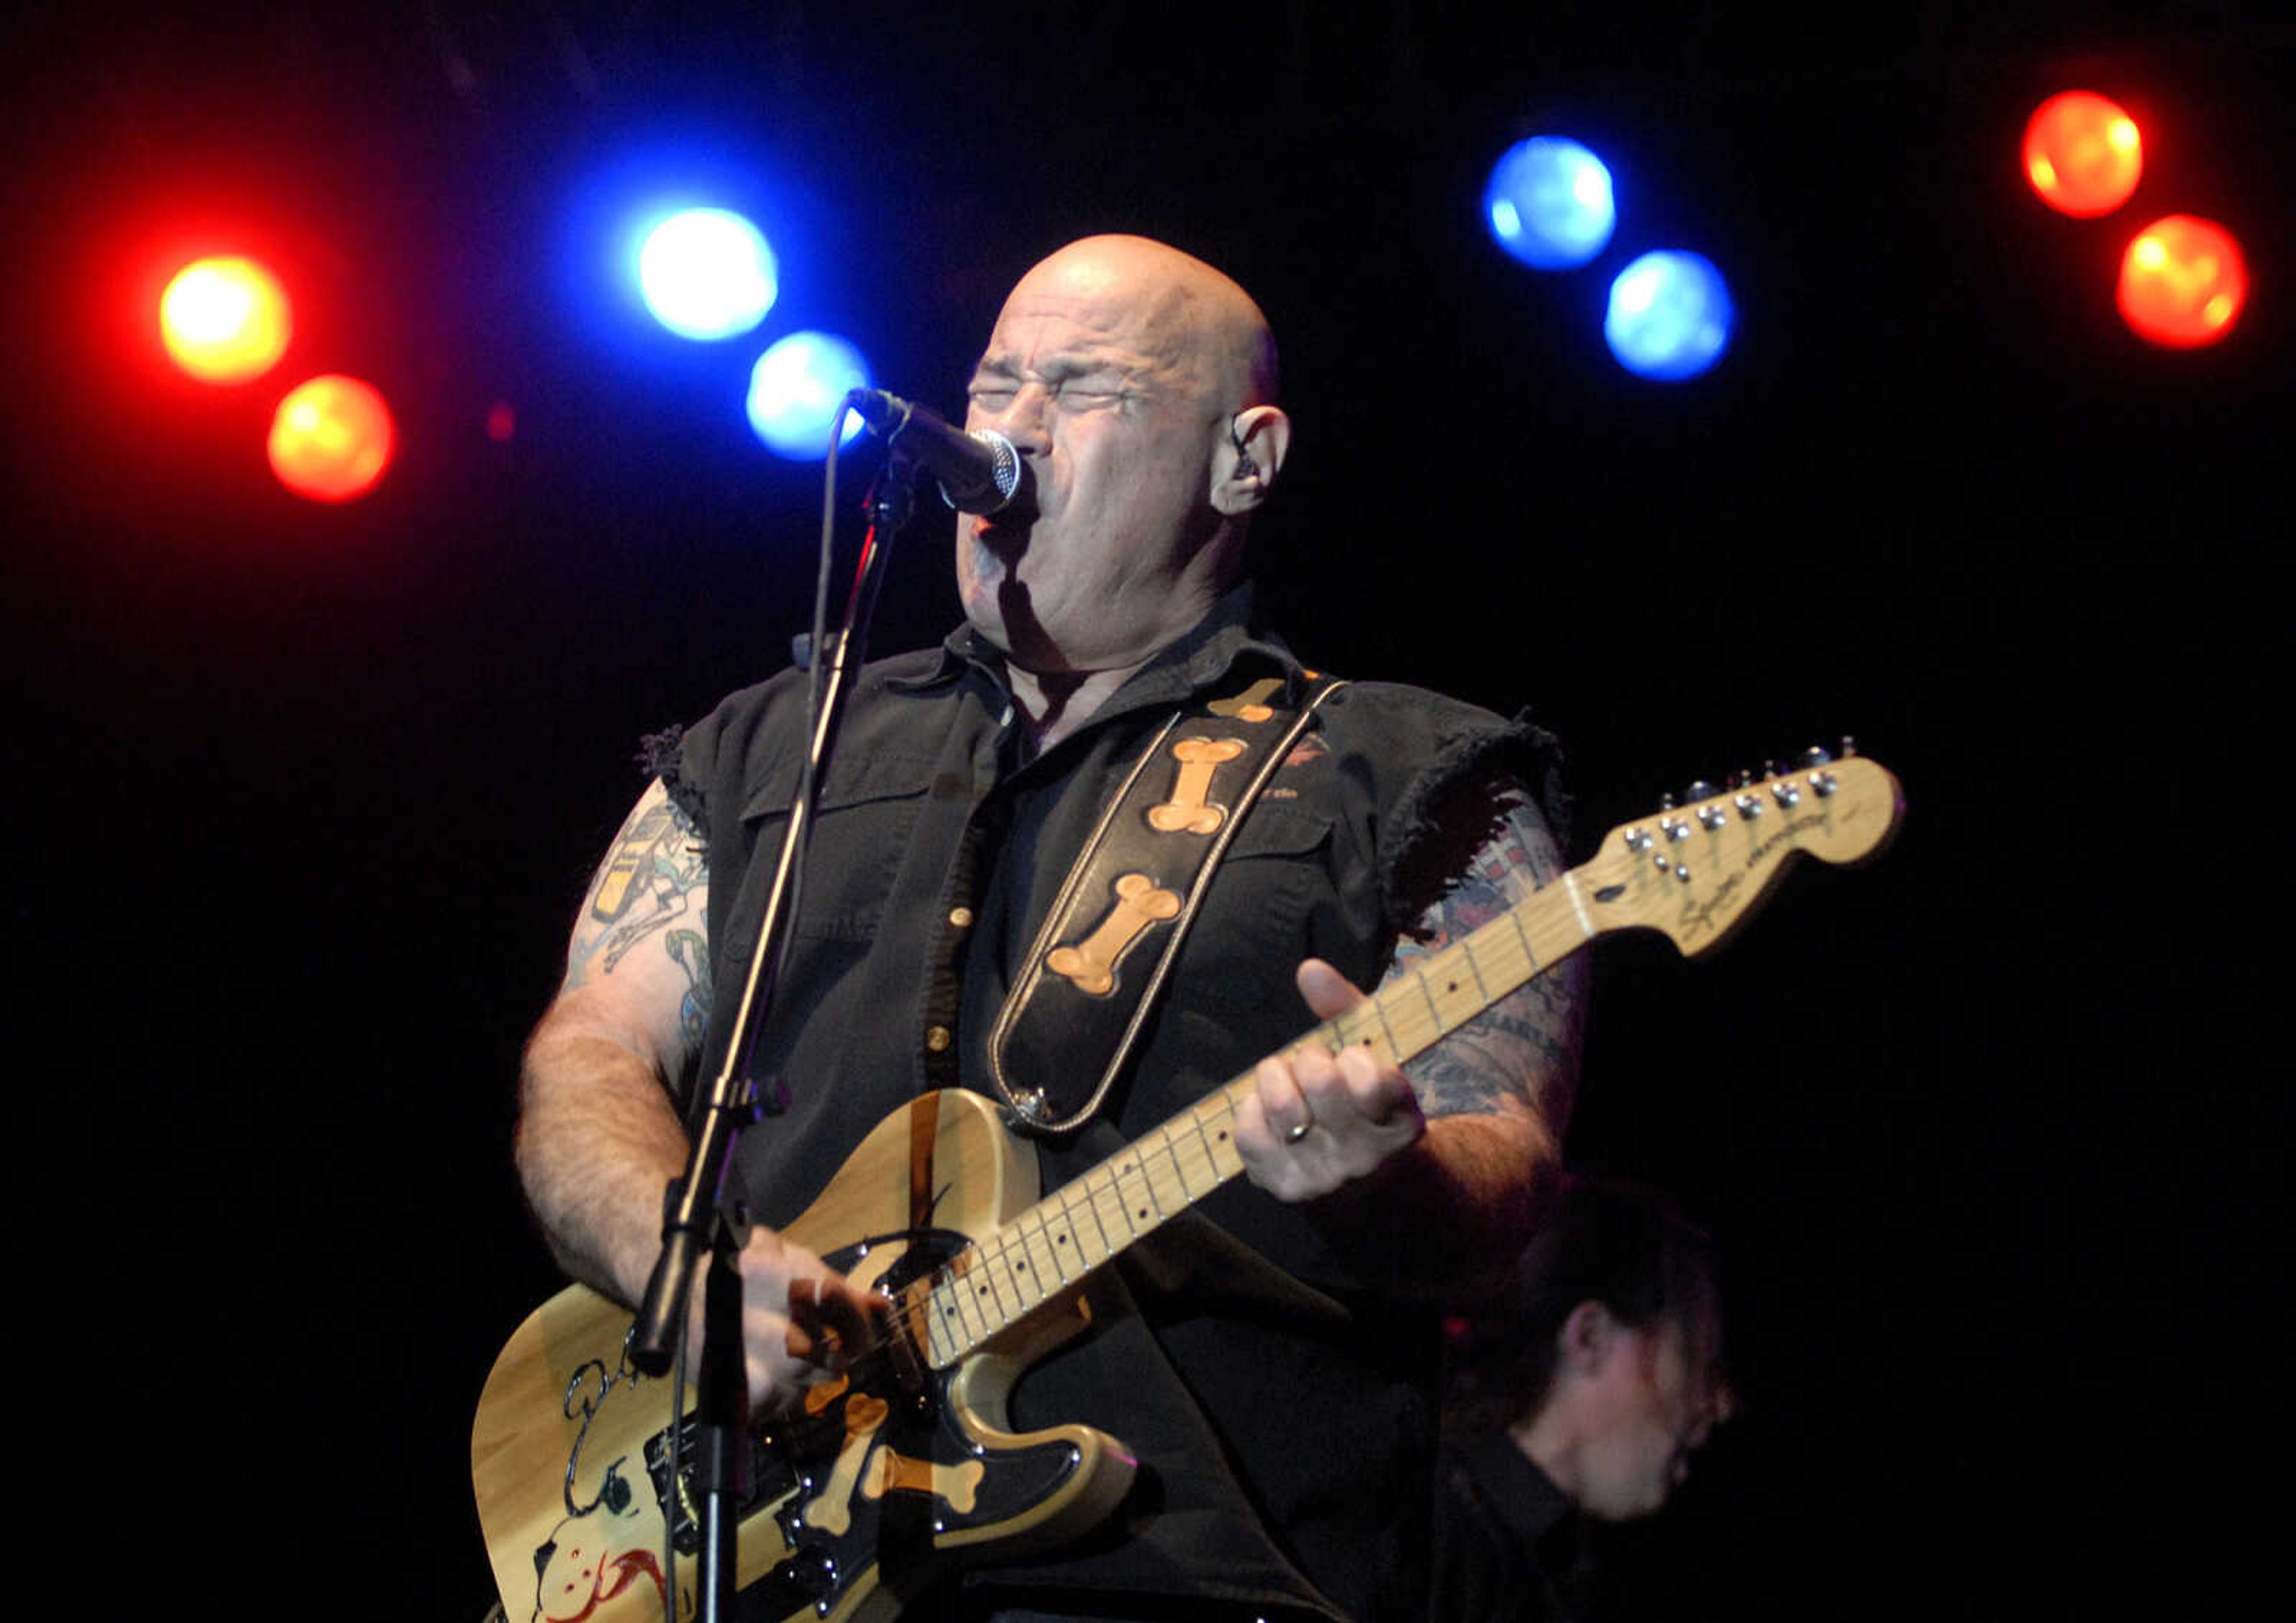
x=1992, y=1131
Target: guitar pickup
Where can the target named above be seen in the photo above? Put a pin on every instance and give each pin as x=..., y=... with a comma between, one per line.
x=766, y=1477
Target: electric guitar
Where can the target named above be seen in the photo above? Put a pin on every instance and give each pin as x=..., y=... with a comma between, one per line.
x=904, y=1468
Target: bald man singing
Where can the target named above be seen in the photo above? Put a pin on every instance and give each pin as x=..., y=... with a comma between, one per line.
x=1261, y=1352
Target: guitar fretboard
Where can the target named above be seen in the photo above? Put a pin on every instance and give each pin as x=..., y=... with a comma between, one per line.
x=1002, y=1276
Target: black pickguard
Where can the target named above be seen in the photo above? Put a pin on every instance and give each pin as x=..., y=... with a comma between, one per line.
x=879, y=1514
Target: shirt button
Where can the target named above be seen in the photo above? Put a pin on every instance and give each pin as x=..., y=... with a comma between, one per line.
x=937, y=1038
x=961, y=917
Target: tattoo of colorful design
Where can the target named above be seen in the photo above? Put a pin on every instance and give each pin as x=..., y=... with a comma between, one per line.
x=1523, y=1048
x=646, y=884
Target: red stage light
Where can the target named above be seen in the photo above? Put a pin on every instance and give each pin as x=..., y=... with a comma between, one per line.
x=2083, y=154
x=332, y=438
x=2183, y=282
x=225, y=320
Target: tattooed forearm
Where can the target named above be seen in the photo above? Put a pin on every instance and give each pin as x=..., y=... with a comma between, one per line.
x=1513, y=1053
x=1524, y=1049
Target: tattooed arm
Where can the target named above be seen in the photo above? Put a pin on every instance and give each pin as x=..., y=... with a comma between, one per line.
x=1432, y=1181
x=598, y=1137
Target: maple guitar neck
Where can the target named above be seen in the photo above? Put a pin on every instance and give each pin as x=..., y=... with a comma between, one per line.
x=1692, y=872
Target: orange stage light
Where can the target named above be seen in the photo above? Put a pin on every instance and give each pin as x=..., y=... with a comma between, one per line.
x=225, y=320
x=2183, y=282
x=2083, y=154
x=332, y=438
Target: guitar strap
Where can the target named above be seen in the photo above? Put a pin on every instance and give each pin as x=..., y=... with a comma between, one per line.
x=1097, y=967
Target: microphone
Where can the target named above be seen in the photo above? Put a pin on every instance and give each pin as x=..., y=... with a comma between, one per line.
x=978, y=472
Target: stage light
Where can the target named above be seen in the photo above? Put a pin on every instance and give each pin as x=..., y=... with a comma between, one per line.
x=225, y=320
x=798, y=386
x=1549, y=204
x=1669, y=315
x=331, y=438
x=707, y=274
x=2183, y=282
x=2083, y=154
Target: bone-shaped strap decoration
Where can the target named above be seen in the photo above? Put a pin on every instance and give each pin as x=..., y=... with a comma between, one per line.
x=832, y=1509
x=1186, y=812
x=957, y=1485
x=1252, y=704
x=1091, y=963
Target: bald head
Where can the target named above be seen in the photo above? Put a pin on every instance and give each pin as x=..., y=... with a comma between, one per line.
x=1194, y=311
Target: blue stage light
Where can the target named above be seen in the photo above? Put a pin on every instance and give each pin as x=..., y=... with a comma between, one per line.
x=707, y=274
x=1669, y=316
x=798, y=386
x=1549, y=203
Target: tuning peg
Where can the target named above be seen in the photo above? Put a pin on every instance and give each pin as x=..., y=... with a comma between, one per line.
x=1815, y=756
x=1849, y=746
x=1699, y=789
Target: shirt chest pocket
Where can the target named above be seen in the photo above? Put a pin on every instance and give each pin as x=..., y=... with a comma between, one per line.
x=1260, y=915
x=861, y=831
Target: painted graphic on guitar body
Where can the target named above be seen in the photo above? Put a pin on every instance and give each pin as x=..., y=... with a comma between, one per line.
x=603, y=1545
x=575, y=1576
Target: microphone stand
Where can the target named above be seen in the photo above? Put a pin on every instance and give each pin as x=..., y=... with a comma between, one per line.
x=696, y=1211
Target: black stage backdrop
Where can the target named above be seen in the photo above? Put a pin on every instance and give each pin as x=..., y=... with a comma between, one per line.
x=1992, y=1131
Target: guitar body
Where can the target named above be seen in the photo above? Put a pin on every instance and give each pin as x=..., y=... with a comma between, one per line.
x=885, y=1484
x=900, y=1472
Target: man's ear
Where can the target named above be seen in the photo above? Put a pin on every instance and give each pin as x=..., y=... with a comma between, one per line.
x=1259, y=439
x=1587, y=1337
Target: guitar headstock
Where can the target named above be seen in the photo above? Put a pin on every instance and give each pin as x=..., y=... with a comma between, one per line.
x=1696, y=871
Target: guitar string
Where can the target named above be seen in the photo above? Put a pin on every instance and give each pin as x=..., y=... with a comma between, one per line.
x=1514, y=948
x=1508, y=946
